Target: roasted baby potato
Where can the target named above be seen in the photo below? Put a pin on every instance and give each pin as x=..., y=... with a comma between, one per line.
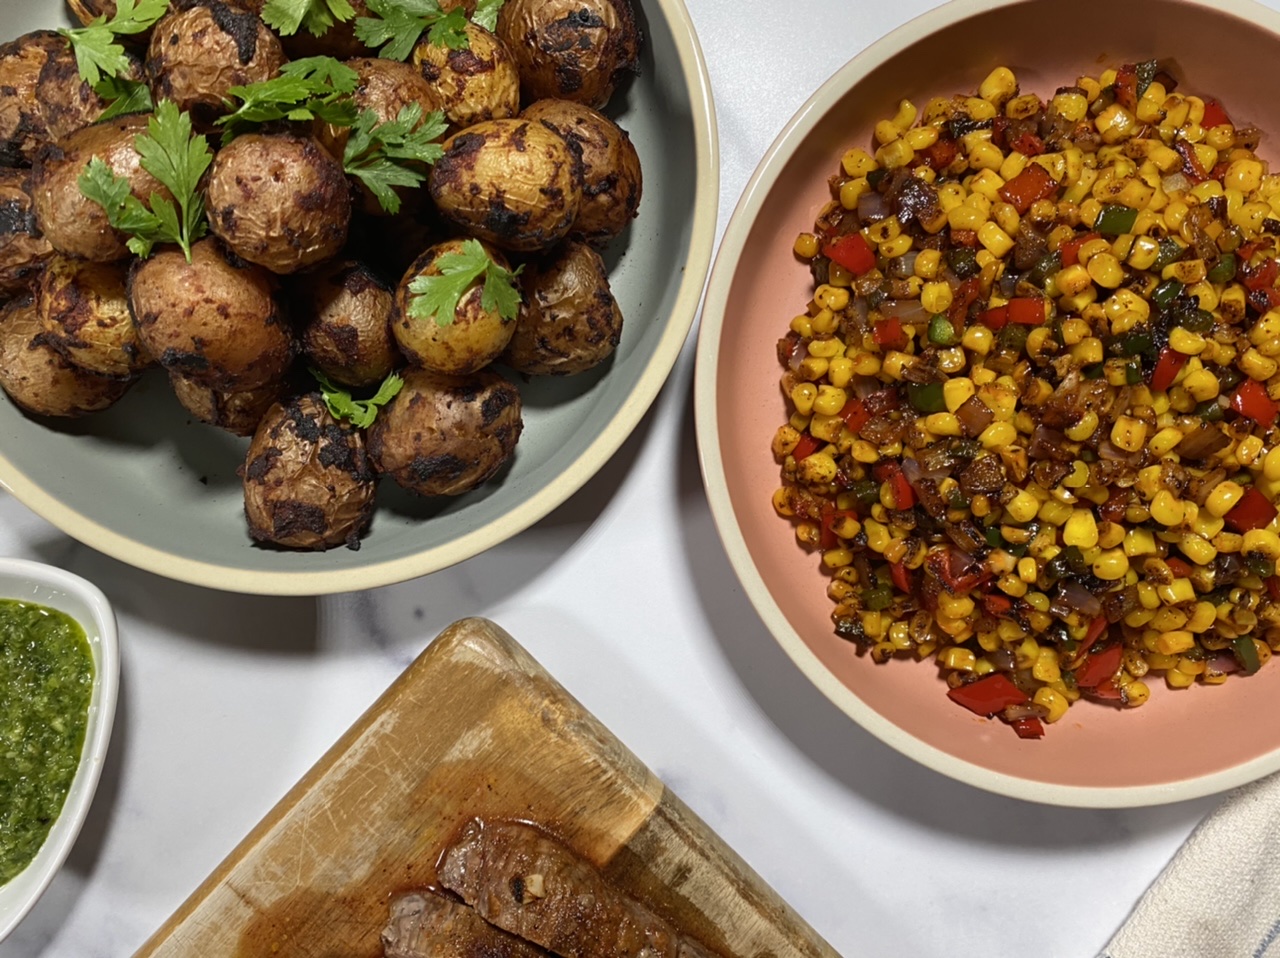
x=477, y=82
x=238, y=411
x=569, y=320
x=347, y=335
x=279, y=200
x=23, y=248
x=515, y=183
x=83, y=309
x=468, y=340
x=307, y=479
x=22, y=127
x=571, y=49
x=444, y=435
x=68, y=103
x=39, y=379
x=71, y=222
x=214, y=320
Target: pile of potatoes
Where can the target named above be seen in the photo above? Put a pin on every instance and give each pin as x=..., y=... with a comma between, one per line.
x=302, y=267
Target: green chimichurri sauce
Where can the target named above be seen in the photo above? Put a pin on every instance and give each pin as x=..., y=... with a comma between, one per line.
x=46, y=681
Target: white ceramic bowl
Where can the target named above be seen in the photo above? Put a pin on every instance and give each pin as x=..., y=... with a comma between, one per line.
x=84, y=602
x=1181, y=744
x=145, y=484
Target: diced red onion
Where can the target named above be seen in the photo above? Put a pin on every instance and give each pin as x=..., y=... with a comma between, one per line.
x=1109, y=450
x=799, y=352
x=975, y=415
x=907, y=310
x=1078, y=598
x=1175, y=181
x=872, y=207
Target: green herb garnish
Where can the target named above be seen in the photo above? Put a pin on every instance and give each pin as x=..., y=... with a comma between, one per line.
x=176, y=158
x=486, y=14
x=97, y=52
x=437, y=296
x=397, y=25
x=359, y=412
x=317, y=16
x=383, y=156
x=123, y=96
x=313, y=88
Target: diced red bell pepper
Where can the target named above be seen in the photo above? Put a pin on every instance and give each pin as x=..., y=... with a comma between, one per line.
x=1070, y=250
x=1214, y=115
x=1126, y=86
x=889, y=333
x=852, y=251
x=999, y=131
x=806, y=447
x=1026, y=310
x=855, y=415
x=1099, y=666
x=1097, y=628
x=1179, y=567
x=901, y=576
x=940, y=154
x=1028, y=144
x=1106, y=689
x=1033, y=183
x=1191, y=167
x=1251, y=400
x=904, y=497
x=1167, y=368
x=1246, y=251
x=1029, y=727
x=995, y=318
x=829, y=519
x=988, y=695
x=1253, y=511
x=1260, y=281
x=965, y=294
x=1273, y=587
x=964, y=237
x=997, y=606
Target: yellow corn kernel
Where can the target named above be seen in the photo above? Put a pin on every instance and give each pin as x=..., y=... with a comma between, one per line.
x=955, y=606
x=985, y=155
x=935, y=297
x=840, y=371
x=857, y=162
x=1022, y=507
x=1244, y=174
x=851, y=190
x=1012, y=585
x=998, y=435
x=1197, y=548
x=1072, y=280
x=1167, y=509
x=978, y=339
x=830, y=400
x=1129, y=434
x=943, y=424
x=1202, y=384
x=956, y=392
x=1000, y=84
x=1081, y=529
x=1135, y=693
x=1082, y=430
x=926, y=266
x=1046, y=667
x=1176, y=592
x=995, y=239
x=957, y=659
x=1262, y=540
x=1224, y=497
x=817, y=469
x=1257, y=366
x=825, y=348
x=803, y=396
x=1115, y=123
x=806, y=246
x=1054, y=703
x=1167, y=619
x=826, y=427
x=921, y=137
x=1111, y=565
x=894, y=155
x=1165, y=440
x=1188, y=343
x=1055, y=513
x=1105, y=270
x=1175, y=643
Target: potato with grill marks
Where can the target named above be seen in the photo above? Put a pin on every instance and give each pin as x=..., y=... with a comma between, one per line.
x=474, y=83
x=84, y=312
x=23, y=248
x=347, y=331
x=238, y=411
x=22, y=127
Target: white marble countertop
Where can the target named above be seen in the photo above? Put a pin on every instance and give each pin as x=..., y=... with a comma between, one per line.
x=626, y=596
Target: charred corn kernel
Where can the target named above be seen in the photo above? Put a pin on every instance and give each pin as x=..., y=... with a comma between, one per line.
x=998, y=435
x=817, y=469
x=884, y=230
x=830, y=400
x=1046, y=667
x=806, y=246
x=1166, y=509
x=1202, y=617
x=1083, y=429
x=926, y=265
x=1165, y=440
x=1054, y=703
x=1129, y=434
x=978, y=339
x=830, y=297
x=840, y=371
x=1187, y=343
x=1000, y=84
x=936, y=297
x=896, y=247
x=1168, y=618
x=857, y=162
x=1257, y=366
x=1115, y=123
x=812, y=368
x=1224, y=497
x=1197, y=548
x=943, y=424
x=894, y=155
x=955, y=606
x=1202, y=385
x=1175, y=643
x=1135, y=693
x=826, y=427
x=996, y=240
x=956, y=392
x=1072, y=280
x=1022, y=507
x=1178, y=680
x=1105, y=270
x=837, y=558
x=985, y=155
x=1249, y=450
x=1111, y=565
x=1081, y=529
x=1262, y=540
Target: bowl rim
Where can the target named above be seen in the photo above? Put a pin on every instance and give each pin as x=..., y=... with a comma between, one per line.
x=105, y=647
x=570, y=478
x=707, y=429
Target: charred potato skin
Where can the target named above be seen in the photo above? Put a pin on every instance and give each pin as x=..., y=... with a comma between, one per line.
x=476, y=83
x=215, y=320
x=235, y=411
x=570, y=320
x=471, y=339
x=23, y=248
x=308, y=483
x=83, y=309
x=348, y=333
x=71, y=222
x=514, y=183
x=41, y=381
x=22, y=126
x=445, y=435
x=571, y=49
x=279, y=200
x=198, y=54
x=612, y=182
x=68, y=103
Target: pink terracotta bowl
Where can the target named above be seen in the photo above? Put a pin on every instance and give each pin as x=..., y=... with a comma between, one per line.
x=1180, y=744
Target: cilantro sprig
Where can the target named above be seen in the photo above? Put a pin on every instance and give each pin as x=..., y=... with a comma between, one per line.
x=438, y=296
x=103, y=63
x=286, y=17
x=383, y=156
x=176, y=158
x=396, y=26
x=359, y=412
x=312, y=88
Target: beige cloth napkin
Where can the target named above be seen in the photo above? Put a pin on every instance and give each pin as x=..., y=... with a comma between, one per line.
x=1220, y=895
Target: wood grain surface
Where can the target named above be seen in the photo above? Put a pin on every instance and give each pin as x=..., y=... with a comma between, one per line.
x=473, y=727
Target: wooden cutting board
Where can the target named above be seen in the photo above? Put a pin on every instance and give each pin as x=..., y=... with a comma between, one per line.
x=474, y=727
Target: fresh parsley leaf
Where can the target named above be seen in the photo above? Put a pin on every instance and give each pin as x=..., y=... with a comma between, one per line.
x=123, y=96
x=386, y=155
x=486, y=14
x=359, y=412
x=313, y=88
x=176, y=158
x=317, y=16
x=97, y=52
x=397, y=25
x=438, y=296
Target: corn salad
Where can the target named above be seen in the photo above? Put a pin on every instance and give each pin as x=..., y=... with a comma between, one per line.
x=1033, y=399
